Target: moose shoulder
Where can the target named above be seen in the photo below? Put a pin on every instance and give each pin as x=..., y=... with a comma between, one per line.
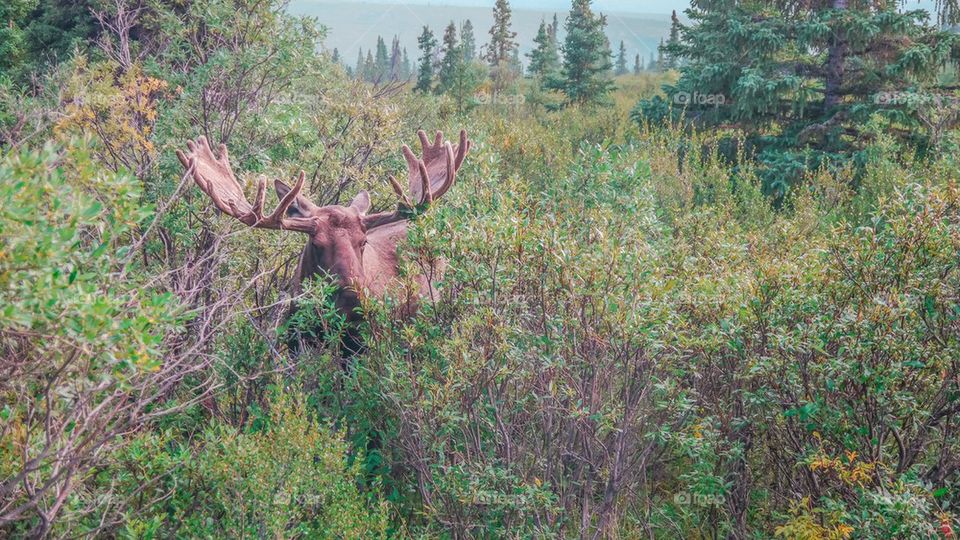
x=356, y=249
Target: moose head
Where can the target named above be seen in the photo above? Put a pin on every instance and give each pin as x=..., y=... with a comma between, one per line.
x=355, y=248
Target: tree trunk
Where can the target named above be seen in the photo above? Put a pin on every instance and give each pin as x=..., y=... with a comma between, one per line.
x=835, y=60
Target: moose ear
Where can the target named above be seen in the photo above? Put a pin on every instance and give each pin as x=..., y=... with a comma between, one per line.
x=282, y=189
x=361, y=202
x=301, y=205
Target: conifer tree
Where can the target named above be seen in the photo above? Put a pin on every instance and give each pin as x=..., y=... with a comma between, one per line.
x=502, y=48
x=381, y=60
x=622, y=60
x=516, y=66
x=427, y=44
x=586, y=57
x=452, y=58
x=358, y=70
x=369, y=68
x=669, y=60
x=637, y=65
x=652, y=64
x=467, y=78
x=502, y=43
x=406, y=70
x=661, y=57
x=544, y=58
x=396, y=58
x=468, y=41
x=335, y=57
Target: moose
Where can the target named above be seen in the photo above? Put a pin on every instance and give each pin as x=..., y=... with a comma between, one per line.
x=356, y=249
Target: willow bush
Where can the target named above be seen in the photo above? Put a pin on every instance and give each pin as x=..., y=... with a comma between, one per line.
x=640, y=344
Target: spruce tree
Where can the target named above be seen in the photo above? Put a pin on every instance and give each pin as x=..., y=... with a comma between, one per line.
x=468, y=41
x=358, y=70
x=622, y=60
x=369, y=68
x=516, y=66
x=452, y=58
x=396, y=58
x=406, y=69
x=652, y=64
x=502, y=36
x=542, y=39
x=801, y=81
x=381, y=60
x=467, y=76
x=637, y=65
x=586, y=75
x=335, y=57
x=427, y=44
x=502, y=48
x=670, y=61
x=544, y=58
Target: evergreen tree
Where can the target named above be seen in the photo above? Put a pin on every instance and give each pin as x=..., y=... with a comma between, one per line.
x=406, y=70
x=544, y=59
x=427, y=44
x=468, y=41
x=369, y=68
x=358, y=70
x=459, y=77
x=637, y=65
x=502, y=48
x=672, y=62
x=502, y=43
x=652, y=64
x=622, y=60
x=586, y=56
x=466, y=78
x=396, y=59
x=381, y=60
x=516, y=66
x=452, y=58
x=802, y=80
x=37, y=33
x=335, y=57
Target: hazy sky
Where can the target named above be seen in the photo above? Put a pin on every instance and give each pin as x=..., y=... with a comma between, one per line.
x=622, y=6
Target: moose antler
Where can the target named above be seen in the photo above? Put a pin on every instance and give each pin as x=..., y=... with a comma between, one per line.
x=215, y=178
x=431, y=176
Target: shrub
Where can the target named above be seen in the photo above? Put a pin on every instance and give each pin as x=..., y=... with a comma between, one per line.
x=82, y=339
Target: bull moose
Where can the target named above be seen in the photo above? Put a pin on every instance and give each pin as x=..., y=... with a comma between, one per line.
x=356, y=249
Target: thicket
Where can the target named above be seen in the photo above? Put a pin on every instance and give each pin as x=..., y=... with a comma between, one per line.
x=630, y=341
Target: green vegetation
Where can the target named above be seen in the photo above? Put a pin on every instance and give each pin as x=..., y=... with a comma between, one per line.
x=805, y=87
x=425, y=73
x=632, y=339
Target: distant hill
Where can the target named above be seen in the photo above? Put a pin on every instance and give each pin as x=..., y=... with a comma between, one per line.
x=357, y=24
